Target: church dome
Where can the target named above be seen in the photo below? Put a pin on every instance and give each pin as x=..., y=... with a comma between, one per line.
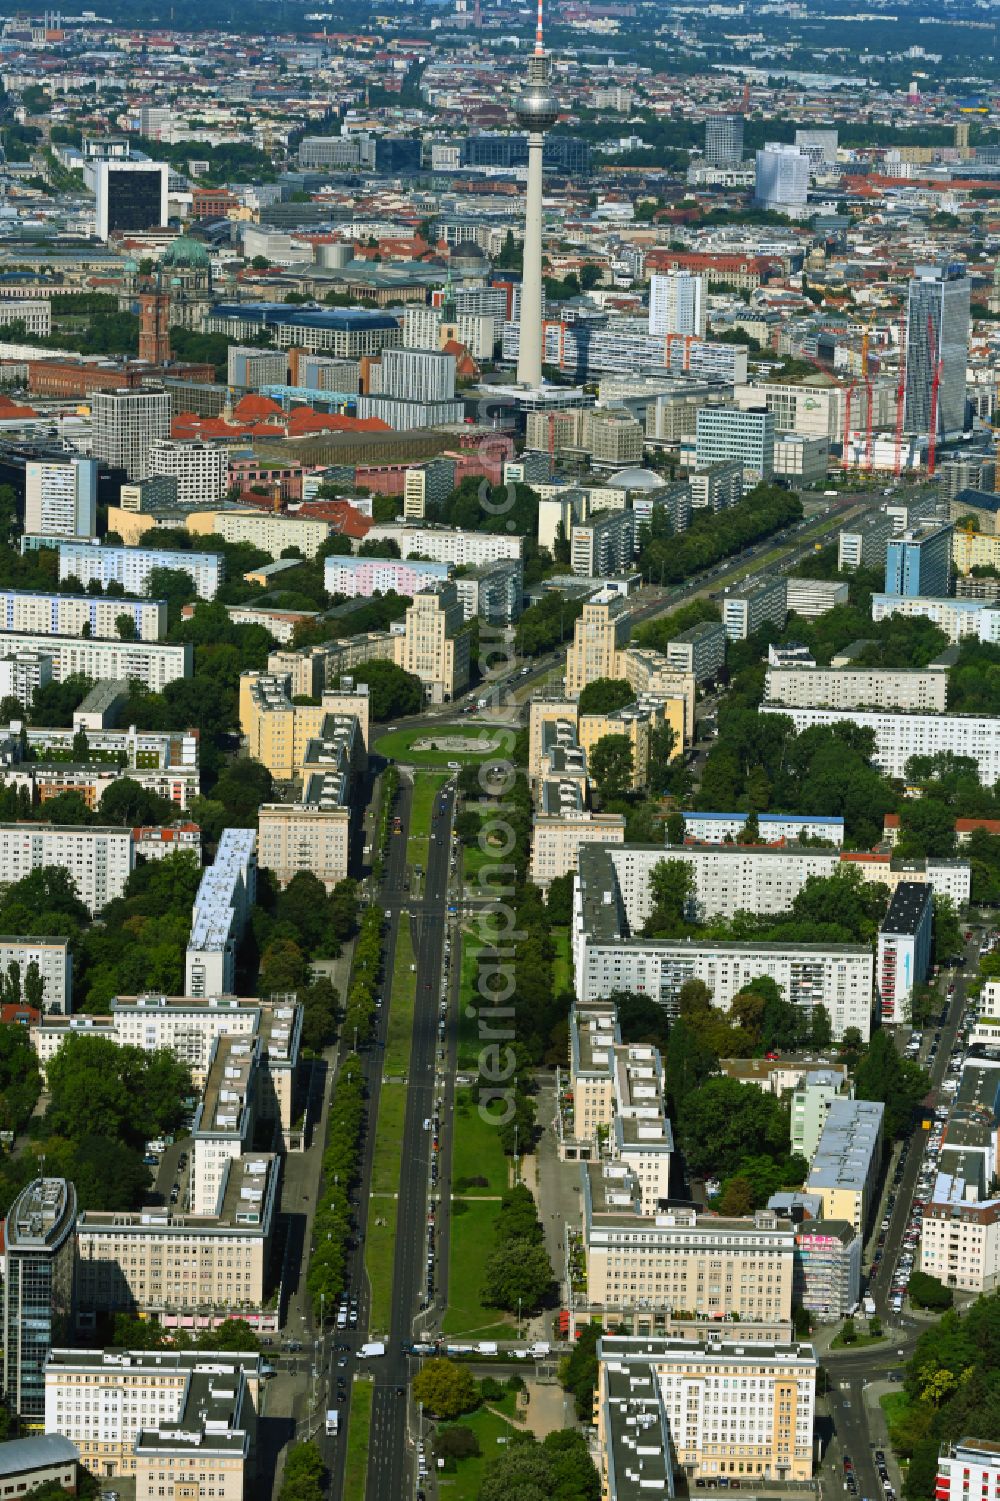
x=185, y=254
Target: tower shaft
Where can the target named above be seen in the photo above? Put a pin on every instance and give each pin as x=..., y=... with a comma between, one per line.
x=529, y=356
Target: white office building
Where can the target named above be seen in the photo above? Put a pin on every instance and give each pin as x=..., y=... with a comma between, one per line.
x=678, y=304
x=60, y=497
x=898, y=737
x=200, y=469
x=131, y=196
x=125, y=425
x=98, y=860
x=131, y=566
x=724, y=434
x=415, y=374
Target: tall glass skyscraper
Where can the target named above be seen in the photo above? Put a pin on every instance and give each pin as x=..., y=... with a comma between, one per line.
x=38, y=1292
x=937, y=329
x=724, y=140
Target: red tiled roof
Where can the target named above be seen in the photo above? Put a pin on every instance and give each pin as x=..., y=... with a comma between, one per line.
x=342, y=516
x=969, y=825
x=252, y=405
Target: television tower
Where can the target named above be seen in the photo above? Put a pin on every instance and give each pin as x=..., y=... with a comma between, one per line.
x=536, y=109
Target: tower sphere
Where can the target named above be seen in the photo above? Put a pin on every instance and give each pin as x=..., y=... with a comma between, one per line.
x=536, y=109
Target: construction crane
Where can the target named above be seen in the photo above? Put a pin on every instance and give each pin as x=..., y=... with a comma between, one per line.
x=869, y=449
x=900, y=398
x=937, y=362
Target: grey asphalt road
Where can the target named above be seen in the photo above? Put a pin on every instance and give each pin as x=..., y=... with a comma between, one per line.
x=389, y=1461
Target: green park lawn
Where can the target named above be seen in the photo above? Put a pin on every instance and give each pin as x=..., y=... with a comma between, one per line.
x=562, y=965
x=476, y=1151
x=470, y=1243
x=489, y=1424
x=469, y=1044
x=398, y=745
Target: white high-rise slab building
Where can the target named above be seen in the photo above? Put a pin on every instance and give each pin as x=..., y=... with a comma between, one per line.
x=60, y=497
x=678, y=304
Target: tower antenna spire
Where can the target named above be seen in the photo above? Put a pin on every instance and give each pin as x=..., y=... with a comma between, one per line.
x=539, y=43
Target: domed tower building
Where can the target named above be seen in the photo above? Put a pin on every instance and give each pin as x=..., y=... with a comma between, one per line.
x=185, y=273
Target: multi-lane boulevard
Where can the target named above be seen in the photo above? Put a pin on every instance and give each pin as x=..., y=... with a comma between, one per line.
x=389, y=1462
x=390, y=1458
x=853, y=1371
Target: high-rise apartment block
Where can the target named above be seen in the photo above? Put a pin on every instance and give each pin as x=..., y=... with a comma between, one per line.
x=937, y=350
x=603, y=545
x=40, y=1238
x=60, y=497
x=678, y=304
x=97, y=860
x=724, y=140
x=221, y=908
x=89, y=615
x=126, y=423
x=746, y=611
x=919, y=562
x=904, y=948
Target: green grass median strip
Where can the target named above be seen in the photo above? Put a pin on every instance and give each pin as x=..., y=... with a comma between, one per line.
x=380, y=1255
x=425, y=790
x=403, y=995
x=358, y=1438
